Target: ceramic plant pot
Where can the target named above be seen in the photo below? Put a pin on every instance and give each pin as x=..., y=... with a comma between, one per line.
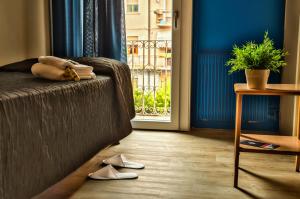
x=257, y=79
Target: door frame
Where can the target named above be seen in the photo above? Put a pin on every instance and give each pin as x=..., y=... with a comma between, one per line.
x=181, y=74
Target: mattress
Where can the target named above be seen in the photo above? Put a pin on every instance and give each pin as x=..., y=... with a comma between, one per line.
x=48, y=129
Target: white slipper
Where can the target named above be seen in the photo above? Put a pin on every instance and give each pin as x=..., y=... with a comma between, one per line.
x=110, y=173
x=121, y=161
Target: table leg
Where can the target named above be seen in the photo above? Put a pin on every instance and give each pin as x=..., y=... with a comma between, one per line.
x=297, y=163
x=238, y=118
x=298, y=134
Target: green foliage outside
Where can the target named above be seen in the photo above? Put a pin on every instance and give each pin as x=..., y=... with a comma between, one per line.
x=257, y=56
x=163, y=93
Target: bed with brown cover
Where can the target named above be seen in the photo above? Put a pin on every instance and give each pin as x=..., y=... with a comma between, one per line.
x=48, y=129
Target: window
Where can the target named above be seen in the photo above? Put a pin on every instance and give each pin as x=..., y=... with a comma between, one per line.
x=132, y=6
x=132, y=47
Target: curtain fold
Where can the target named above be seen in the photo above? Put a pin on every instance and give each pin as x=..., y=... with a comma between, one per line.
x=89, y=33
x=67, y=27
x=89, y=28
x=111, y=37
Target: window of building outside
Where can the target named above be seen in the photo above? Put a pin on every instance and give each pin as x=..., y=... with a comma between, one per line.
x=132, y=6
x=132, y=48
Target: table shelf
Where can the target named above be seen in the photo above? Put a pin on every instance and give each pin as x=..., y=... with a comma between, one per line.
x=289, y=145
x=272, y=89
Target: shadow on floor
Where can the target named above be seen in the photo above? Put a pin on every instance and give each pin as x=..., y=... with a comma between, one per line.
x=282, y=186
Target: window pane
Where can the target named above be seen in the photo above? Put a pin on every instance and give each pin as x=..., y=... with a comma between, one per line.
x=132, y=8
x=129, y=8
x=132, y=1
x=136, y=8
x=132, y=5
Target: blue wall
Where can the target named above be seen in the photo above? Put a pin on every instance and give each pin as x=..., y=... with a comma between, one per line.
x=218, y=24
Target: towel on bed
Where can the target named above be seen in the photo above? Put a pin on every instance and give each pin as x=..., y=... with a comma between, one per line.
x=49, y=72
x=54, y=68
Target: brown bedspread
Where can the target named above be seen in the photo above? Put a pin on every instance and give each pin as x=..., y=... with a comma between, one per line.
x=120, y=73
x=48, y=129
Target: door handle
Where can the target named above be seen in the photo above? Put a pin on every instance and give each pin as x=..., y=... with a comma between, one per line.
x=175, y=17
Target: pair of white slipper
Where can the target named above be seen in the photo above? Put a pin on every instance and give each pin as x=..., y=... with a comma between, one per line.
x=110, y=173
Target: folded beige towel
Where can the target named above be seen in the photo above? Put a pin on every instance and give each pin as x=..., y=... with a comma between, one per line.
x=64, y=63
x=48, y=72
x=55, y=68
x=87, y=76
x=56, y=61
x=56, y=73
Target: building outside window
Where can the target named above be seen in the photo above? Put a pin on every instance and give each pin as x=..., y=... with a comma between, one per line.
x=132, y=6
x=149, y=56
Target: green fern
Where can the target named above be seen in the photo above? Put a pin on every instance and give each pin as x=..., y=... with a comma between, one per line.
x=257, y=56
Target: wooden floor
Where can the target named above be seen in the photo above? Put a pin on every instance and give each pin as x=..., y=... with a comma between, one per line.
x=198, y=164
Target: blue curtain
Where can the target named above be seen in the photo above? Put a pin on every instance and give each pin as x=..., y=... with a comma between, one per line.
x=67, y=27
x=89, y=28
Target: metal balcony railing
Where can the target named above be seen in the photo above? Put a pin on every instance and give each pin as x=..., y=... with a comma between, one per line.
x=150, y=62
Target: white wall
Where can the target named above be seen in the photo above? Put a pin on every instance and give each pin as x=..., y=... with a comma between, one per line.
x=24, y=29
x=289, y=75
x=38, y=24
x=12, y=31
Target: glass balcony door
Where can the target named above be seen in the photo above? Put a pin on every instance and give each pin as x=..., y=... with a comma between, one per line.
x=153, y=45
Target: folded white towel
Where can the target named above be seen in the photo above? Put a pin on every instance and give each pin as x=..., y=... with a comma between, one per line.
x=55, y=73
x=48, y=72
x=55, y=61
x=89, y=76
x=63, y=63
x=55, y=68
x=83, y=68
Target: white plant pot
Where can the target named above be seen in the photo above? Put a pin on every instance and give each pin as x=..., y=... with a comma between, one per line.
x=257, y=79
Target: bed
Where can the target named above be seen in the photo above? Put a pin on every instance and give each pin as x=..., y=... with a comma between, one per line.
x=48, y=129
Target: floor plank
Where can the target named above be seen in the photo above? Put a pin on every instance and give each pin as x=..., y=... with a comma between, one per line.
x=197, y=164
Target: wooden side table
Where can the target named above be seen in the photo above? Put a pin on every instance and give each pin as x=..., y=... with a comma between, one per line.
x=289, y=145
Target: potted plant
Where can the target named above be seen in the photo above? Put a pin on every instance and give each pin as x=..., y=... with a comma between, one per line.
x=257, y=60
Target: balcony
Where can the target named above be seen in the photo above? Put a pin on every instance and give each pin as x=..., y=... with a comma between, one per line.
x=150, y=62
x=163, y=18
